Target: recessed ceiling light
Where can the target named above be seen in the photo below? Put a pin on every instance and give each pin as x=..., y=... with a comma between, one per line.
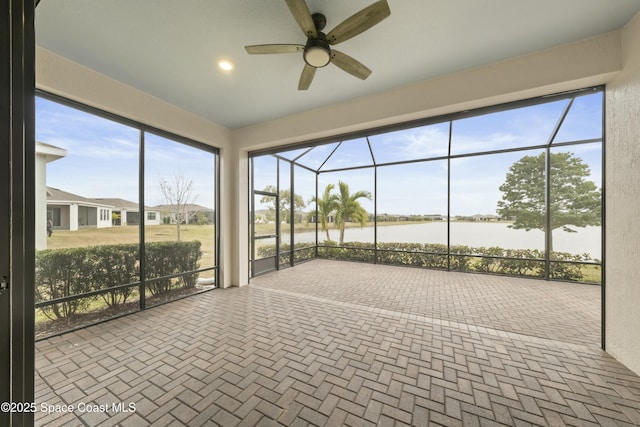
x=225, y=64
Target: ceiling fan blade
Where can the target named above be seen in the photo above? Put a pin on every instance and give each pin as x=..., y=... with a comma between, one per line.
x=361, y=21
x=306, y=77
x=301, y=14
x=350, y=65
x=274, y=48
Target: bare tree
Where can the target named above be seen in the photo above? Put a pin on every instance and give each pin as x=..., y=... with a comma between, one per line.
x=177, y=193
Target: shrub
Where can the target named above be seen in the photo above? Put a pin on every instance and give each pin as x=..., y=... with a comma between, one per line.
x=413, y=254
x=168, y=258
x=302, y=252
x=567, y=270
x=351, y=251
x=201, y=218
x=525, y=262
x=114, y=265
x=496, y=260
x=63, y=273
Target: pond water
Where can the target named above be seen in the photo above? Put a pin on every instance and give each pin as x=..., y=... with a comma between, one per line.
x=585, y=240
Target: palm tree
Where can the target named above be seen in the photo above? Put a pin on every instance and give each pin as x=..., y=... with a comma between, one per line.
x=325, y=206
x=349, y=209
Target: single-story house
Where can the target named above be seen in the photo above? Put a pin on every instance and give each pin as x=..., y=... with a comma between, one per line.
x=488, y=217
x=128, y=213
x=190, y=211
x=68, y=211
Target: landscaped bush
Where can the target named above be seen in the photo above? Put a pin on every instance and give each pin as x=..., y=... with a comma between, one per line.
x=525, y=262
x=113, y=265
x=302, y=252
x=352, y=251
x=566, y=270
x=168, y=258
x=413, y=254
x=513, y=262
x=63, y=273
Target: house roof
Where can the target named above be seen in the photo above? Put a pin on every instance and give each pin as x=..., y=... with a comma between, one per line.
x=122, y=204
x=189, y=207
x=49, y=152
x=55, y=195
x=118, y=203
x=44, y=145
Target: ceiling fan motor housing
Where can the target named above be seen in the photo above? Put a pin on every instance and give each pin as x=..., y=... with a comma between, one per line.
x=319, y=21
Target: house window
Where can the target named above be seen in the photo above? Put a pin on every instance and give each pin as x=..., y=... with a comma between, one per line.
x=53, y=214
x=151, y=216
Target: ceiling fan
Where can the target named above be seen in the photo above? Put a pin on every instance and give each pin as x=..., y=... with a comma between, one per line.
x=317, y=52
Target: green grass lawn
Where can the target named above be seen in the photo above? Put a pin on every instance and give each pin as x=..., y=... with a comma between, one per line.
x=304, y=226
x=131, y=234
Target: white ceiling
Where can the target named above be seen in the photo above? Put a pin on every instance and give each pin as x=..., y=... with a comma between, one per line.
x=169, y=48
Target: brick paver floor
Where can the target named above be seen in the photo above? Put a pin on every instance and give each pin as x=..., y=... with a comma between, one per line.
x=338, y=343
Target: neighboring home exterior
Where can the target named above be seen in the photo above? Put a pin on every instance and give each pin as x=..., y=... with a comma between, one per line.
x=69, y=211
x=45, y=153
x=191, y=211
x=435, y=217
x=128, y=213
x=489, y=217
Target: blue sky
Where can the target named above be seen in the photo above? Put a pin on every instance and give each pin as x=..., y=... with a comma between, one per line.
x=102, y=158
x=421, y=188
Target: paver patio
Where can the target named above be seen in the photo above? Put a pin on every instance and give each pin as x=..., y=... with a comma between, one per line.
x=339, y=343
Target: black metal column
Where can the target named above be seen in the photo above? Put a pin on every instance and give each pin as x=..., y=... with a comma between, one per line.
x=142, y=251
x=17, y=213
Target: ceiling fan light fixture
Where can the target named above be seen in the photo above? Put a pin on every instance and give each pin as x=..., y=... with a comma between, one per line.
x=317, y=53
x=225, y=65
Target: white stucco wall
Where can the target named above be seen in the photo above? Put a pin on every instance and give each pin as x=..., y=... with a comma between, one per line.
x=623, y=204
x=103, y=221
x=41, y=202
x=44, y=154
x=73, y=217
x=156, y=221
